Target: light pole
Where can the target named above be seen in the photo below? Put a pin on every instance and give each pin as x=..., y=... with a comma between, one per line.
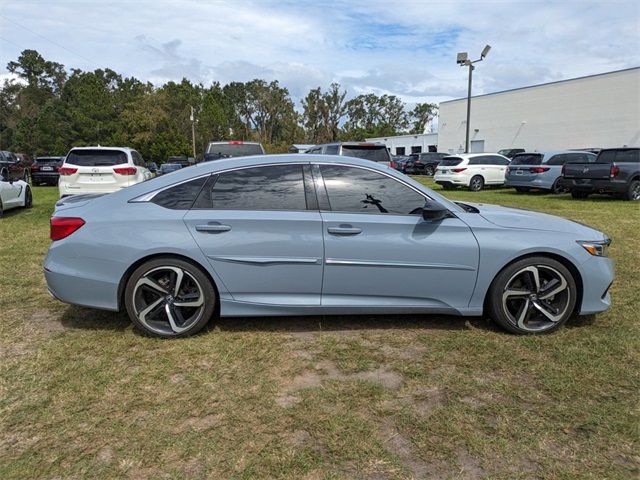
x=463, y=60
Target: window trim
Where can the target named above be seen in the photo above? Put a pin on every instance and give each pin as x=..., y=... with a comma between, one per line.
x=319, y=170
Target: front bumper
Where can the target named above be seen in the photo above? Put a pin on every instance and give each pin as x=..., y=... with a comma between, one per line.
x=597, y=277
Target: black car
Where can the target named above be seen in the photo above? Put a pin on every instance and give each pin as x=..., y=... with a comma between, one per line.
x=616, y=171
x=168, y=168
x=510, y=152
x=423, y=163
x=45, y=170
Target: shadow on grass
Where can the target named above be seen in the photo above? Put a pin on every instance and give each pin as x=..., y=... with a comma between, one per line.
x=75, y=317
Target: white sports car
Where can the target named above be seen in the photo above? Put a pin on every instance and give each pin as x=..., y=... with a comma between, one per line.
x=14, y=194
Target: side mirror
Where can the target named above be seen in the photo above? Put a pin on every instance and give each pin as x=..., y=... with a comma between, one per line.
x=433, y=211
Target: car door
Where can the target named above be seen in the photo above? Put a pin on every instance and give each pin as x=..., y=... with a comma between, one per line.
x=9, y=193
x=499, y=165
x=262, y=232
x=379, y=251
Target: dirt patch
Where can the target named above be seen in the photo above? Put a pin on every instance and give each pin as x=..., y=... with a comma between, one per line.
x=199, y=424
x=470, y=468
x=46, y=321
x=105, y=455
x=412, y=352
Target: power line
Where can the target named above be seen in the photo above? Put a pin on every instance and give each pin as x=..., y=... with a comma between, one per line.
x=47, y=39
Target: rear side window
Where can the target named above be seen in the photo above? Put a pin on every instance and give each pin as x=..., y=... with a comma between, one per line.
x=619, y=156
x=181, y=196
x=450, y=161
x=96, y=158
x=362, y=191
x=527, y=159
x=376, y=153
x=275, y=187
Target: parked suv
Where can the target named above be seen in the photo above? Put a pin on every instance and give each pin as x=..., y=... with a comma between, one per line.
x=14, y=166
x=374, y=151
x=615, y=171
x=45, y=170
x=542, y=170
x=472, y=170
x=232, y=148
x=424, y=163
x=96, y=170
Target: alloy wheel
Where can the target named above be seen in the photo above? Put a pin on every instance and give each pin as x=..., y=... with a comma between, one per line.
x=476, y=184
x=635, y=192
x=536, y=298
x=168, y=300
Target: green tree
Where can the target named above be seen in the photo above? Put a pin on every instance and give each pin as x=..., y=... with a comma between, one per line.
x=421, y=115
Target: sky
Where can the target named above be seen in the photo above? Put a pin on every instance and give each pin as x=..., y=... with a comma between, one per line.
x=403, y=48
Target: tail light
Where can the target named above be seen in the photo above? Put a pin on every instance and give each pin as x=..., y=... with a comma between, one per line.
x=62, y=227
x=614, y=170
x=35, y=168
x=539, y=169
x=236, y=142
x=458, y=170
x=125, y=170
x=67, y=170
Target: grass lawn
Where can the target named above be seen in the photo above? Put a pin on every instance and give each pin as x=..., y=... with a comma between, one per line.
x=83, y=395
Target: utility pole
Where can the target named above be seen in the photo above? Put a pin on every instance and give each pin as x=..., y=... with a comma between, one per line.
x=463, y=60
x=193, y=134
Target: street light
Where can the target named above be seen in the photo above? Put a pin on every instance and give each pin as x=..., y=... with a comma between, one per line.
x=463, y=60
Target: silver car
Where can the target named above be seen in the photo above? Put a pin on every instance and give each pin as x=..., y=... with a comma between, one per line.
x=317, y=235
x=542, y=171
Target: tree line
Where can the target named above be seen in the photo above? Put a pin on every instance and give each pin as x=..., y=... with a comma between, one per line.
x=48, y=109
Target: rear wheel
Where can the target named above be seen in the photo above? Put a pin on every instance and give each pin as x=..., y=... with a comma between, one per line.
x=558, y=187
x=168, y=297
x=476, y=183
x=533, y=295
x=578, y=194
x=428, y=170
x=633, y=192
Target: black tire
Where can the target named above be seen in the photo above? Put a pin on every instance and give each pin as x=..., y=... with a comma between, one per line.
x=522, y=189
x=138, y=297
x=633, y=192
x=28, y=198
x=504, y=308
x=557, y=187
x=476, y=183
x=428, y=170
x=579, y=194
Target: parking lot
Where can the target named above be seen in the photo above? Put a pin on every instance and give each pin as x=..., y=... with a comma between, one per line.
x=84, y=395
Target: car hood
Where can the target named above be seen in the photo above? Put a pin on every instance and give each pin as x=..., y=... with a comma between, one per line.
x=530, y=220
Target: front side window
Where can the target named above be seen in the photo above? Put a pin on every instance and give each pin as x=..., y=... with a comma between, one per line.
x=274, y=187
x=359, y=190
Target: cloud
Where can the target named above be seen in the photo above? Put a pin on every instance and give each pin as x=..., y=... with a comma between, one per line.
x=399, y=48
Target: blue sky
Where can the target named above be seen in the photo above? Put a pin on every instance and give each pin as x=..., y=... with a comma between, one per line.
x=402, y=48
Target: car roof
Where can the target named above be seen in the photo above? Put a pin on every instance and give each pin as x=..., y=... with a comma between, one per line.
x=548, y=153
x=101, y=147
x=472, y=155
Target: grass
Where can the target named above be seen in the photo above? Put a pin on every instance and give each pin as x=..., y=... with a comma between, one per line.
x=83, y=395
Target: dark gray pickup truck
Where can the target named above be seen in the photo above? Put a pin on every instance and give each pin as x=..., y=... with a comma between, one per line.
x=616, y=171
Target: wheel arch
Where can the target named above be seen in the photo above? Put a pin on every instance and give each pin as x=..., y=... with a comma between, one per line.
x=559, y=258
x=127, y=274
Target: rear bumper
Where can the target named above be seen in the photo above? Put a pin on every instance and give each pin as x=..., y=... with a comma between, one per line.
x=597, y=185
x=534, y=183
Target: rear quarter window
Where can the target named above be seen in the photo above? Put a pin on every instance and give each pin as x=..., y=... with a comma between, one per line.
x=181, y=196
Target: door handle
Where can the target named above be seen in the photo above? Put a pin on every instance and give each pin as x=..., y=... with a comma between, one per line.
x=213, y=228
x=344, y=230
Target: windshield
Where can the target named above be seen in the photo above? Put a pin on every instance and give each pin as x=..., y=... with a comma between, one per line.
x=450, y=161
x=619, y=156
x=527, y=159
x=96, y=158
x=234, y=149
x=375, y=153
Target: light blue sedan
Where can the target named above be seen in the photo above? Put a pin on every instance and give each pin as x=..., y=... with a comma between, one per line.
x=542, y=171
x=317, y=235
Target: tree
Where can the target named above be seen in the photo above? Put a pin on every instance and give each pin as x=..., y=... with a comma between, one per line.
x=422, y=115
x=370, y=115
x=322, y=113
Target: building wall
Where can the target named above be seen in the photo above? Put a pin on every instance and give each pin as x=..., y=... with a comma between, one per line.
x=597, y=111
x=424, y=140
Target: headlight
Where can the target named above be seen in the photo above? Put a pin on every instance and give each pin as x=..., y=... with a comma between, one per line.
x=597, y=249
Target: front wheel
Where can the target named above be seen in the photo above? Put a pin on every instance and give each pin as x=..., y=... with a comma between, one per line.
x=476, y=183
x=168, y=297
x=633, y=192
x=428, y=170
x=532, y=295
x=558, y=187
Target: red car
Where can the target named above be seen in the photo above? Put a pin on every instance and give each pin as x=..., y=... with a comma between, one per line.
x=15, y=166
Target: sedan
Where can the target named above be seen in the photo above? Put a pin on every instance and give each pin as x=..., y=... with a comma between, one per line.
x=317, y=235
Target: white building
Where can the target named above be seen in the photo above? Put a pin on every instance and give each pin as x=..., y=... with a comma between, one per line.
x=588, y=112
x=411, y=143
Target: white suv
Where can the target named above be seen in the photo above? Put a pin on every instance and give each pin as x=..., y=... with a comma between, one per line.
x=100, y=170
x=472, y=170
